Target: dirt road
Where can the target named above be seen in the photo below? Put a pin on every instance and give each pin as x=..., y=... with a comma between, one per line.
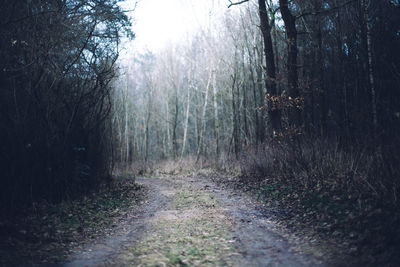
x=190, y=221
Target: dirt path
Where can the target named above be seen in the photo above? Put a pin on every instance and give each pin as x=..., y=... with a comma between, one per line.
x=193, y=222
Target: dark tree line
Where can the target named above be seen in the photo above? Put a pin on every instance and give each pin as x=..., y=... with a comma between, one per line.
x=339, y=80
x=340, y=71
x=57, y=60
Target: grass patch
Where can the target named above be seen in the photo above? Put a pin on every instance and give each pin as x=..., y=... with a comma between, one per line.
x=191, y=242
x=188, y=198
x=199, y=235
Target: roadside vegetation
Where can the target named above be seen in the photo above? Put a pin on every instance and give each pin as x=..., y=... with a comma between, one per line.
x=46, y=232
x=341, y=192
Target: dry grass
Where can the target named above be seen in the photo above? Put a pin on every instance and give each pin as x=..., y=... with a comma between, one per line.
x=185, y=166
x=344, y=191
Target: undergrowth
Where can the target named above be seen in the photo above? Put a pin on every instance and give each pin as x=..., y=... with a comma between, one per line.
x=184, y=166
x=342, y=191
x=46, y=230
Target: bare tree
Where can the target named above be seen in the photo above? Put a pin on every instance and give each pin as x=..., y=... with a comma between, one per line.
x=273, y=109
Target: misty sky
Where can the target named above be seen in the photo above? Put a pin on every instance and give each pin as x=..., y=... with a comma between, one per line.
x=161, y=22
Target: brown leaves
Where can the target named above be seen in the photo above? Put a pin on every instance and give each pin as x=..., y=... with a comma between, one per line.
x=283, y=101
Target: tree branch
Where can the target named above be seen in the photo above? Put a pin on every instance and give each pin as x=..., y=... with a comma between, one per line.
x=325, y=11
x=237, y=3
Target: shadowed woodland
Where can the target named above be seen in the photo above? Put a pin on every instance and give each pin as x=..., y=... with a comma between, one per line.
x=297, y=100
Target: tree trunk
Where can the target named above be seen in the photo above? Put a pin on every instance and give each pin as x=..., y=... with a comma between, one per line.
x=147, y=136
x=148, y=117
x=168, y=142
x=246, y=126
x=126, y=122
x=261, y=102
x=175, y=124
x=254, y=89
x=235, y=126
x=216, y=119
x=371, y=78
x=343, y=109
x=291, y=33
x=203, y=120
x=273, y=112
x=187, y=117
x=318, y=71
x=256, y=118
x=275, y=44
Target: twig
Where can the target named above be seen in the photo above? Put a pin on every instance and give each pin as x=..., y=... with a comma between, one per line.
x=237, y=3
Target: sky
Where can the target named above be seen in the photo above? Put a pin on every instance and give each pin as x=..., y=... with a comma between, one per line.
x=157, y=23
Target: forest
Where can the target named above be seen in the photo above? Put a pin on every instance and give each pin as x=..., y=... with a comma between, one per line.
x=298, y=101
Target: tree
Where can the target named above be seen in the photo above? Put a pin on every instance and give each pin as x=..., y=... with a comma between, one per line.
x=371, y=79
x=273, y=109
x=294, y=94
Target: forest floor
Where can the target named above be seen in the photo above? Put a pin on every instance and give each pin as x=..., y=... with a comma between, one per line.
x=183, y=221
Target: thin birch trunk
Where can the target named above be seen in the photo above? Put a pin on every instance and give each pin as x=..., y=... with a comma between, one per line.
x=203, y=117
x=187, y=117
x=117, y=118
x=168, y=130
x=147, y=134
x=235, y=126
x=174, y=138
x=216, y=120
x=246, y=124
x=126, y=122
